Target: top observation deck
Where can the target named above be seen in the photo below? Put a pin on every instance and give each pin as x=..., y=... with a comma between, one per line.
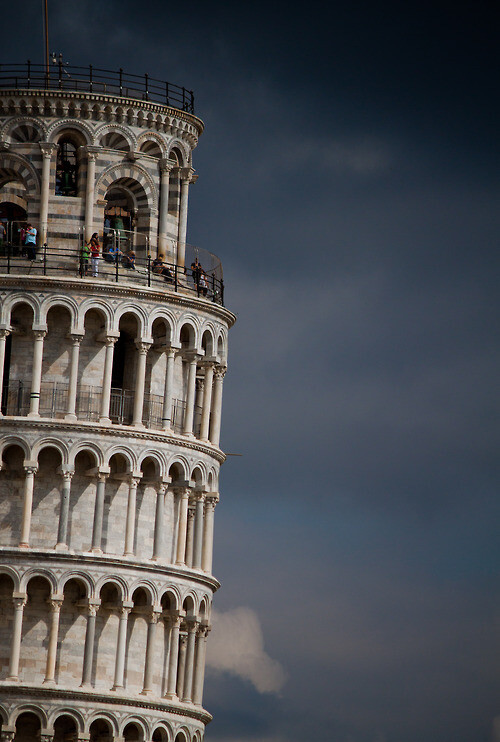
x=60, y=76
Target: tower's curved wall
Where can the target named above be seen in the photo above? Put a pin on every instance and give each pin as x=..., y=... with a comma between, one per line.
x=111, y=391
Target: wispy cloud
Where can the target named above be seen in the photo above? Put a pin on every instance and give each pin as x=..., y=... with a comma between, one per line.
x=237, y=646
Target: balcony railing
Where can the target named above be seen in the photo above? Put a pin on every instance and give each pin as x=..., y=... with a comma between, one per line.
x=60, y=76
x=143, y=271
x=54, y=404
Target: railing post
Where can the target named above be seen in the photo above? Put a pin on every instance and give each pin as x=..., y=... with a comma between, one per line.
x=213, y=287
x=147, y=87
x=45, y=259
x=121, y=81
x=116, y=246
x=166, y=93
x=60, y=73
x=29, y=74
x=183, y=99
x=149, y=270
x=175, y=277
x=9, y=246
x=222, y=292
x=90, y=78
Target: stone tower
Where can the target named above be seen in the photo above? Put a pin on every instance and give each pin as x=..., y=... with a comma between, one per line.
x=111, y=372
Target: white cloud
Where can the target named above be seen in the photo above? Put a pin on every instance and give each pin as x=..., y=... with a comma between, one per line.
x=236, y=646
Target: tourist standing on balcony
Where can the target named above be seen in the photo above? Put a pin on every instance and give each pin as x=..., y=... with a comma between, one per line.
x=30, y=242
x=95, y=250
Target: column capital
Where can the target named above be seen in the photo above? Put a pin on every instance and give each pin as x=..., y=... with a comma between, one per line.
x=47, y=148
x=55, y=602
x=166, y=165
x=155, y=615
x=66, y=474
x=91, y=151
x=186, y=174
x=38, y=334
x=19, y=601
x=4, y=332
x=181, y=490
x=143, y=346
x=31, y=468
x=220, y=372
x=75, y=337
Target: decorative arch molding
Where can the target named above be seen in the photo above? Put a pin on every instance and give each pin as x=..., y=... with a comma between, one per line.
x=115, y=580
x=179, y=144
x=201, y=466
x=5, y=569
x=60, y=301
x=164, y=727
x=98, y=305
x=125, y=452
x=161, y=313
x=126, y=133
x=82, y=577
x=152, y=136
x=105, y=716
x=13, y=198
x=139, y=313
x=67, y=711
x=87, y=447
x=23, y=168
x=70, y=123
x=13, y=440
x=42, y=443
x=156, y=456
x=12, y=124
x=28, y=708
x=173, y=592
x=131, y=175
x=134, y=719
x=180, y=461
x=11, y=303
x=38, y=572
x=146, y=585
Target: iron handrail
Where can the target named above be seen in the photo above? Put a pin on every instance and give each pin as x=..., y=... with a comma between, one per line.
x=60, y=76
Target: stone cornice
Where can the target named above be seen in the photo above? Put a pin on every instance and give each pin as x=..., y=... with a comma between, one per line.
x=109, y=288
x=107, y=561
x=63, y=694
x=101, y=98
x=116, y=431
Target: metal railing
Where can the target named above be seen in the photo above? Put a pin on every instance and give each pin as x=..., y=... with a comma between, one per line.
x=114, y=263
x=60, y=76
x=54, y=404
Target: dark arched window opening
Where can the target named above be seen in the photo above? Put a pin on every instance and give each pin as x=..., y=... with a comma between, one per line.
x=66, y=169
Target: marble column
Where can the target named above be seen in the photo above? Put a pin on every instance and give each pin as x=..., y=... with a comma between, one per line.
x=120, y=646
x=208, y=534
x=199, y=669
x=150, y=652
x=169, y=386
x=62, y=533
x=106, y=380
x=198, y=533
x=165, y=168
x=3, y=338
x=188, y=674
x=190, y=397
x=98, y=513
x=89, y=195
x=190, y=533
x=219, y=374
x=36, y=373
x=47, y=149
x=140, y=377
x=50, y=668
x=88, y=651
x=29, y=482
x=19, y=601
x=181, y=668
x=186, y=174
x=131, y=510
x=207, y=401
x=73, y=376
x=182, y=493
x=173, y=657
x=158, y=545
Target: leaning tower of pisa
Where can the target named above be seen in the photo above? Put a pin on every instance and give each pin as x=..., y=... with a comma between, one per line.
x=111, y=373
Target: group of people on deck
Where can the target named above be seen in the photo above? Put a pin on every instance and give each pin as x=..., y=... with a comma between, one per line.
x=91, y=251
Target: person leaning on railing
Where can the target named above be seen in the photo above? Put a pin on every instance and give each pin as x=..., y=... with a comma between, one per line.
x=84, y=259
x=95, y=250
x=30, y=242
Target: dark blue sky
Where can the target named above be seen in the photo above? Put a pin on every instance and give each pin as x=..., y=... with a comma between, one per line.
x=349, y=183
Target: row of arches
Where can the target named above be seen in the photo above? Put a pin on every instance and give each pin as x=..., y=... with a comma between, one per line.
x=126, y=366
x=26, y=121
x=105, y=642
x=28, y=722
x=106, y=508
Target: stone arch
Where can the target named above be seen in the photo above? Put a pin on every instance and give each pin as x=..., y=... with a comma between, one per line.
x=182, y=735
x=133, y=177
x=84, y=133
x=157, y=456
x=5, y=569
x=71, y=712
x=98, y=305
x=190, y=603
x=115, y=580
x=80, y=576
x=48, y=442
x=13, y=440
x=156, y=141
x=64, y=301
x=25, y=126
x=89, y=447
x=13, y=164
x=147, y=585
x=189, y=322
x=38, y=572
x=12, y=301
x=177, y=145
x=140, y=313
x=164, y=314
x=178, y=469
x=4, y=717
x=208, y=334
x=29, y=708
x=161, y=732
x=105, y=716
x=138, y=723
x=127, y=453
x=121, y=131
x=171, y=592
x=199, y=474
